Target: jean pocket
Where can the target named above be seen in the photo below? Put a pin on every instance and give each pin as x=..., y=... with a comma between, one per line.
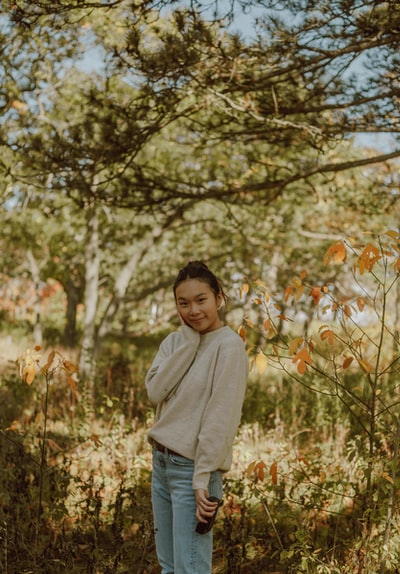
x=181, y=460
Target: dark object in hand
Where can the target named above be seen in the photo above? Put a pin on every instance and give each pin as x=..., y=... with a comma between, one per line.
x=204, y=527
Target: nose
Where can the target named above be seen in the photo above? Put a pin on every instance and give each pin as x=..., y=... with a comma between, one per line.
x=194, y=309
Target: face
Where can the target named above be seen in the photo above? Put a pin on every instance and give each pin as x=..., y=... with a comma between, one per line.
x=198, y=305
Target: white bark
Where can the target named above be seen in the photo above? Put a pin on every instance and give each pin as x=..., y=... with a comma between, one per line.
x=91, y=295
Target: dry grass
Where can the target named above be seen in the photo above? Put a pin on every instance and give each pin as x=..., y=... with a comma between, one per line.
x=293, y=498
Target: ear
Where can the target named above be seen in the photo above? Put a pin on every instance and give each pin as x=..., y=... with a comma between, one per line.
x=220, y=301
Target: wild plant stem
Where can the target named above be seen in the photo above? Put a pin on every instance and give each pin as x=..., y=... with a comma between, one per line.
x=43, y=448
x=392, y=498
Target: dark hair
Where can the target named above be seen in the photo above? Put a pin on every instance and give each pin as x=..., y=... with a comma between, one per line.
x=199, y=270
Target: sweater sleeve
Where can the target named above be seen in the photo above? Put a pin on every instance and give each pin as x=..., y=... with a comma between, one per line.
x=223, y=412
x=171, y=364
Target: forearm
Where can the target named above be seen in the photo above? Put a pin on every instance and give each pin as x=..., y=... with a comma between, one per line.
x=220, y=420
x=170, y=366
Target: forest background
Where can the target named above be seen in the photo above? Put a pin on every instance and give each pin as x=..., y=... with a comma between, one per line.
x=263, y=138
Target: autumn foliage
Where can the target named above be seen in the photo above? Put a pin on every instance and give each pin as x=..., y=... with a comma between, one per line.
x=315, y=475
x=348, y=354
x=342, y=310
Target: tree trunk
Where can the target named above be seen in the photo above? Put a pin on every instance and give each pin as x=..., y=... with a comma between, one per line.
x=35, y=273
x=73, y=293
x=121, y=287
x=127, y=272
x=87, y=363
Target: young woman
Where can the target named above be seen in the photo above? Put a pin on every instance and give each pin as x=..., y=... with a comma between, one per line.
x=197, y=380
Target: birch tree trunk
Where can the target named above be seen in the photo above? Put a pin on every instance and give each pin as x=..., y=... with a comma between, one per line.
x=121, y=287
x=128, y=271
x=35, y=273
x=87, y=363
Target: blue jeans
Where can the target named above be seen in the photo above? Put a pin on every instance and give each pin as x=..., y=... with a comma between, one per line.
x=180, y=550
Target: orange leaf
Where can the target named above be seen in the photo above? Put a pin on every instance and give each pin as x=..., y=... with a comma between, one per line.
x=301, y=367
x=360, y=303
x=21, y=107
x=243, y=290
x=368, y=258
x=347, y=362
x=302, y=358
x=242, y=331
x=71, y=367
x=72, y=384
x=256, y=470
x=328, y=335
x=288, y=292
x=387, y=477
x=337, y=252
x=96, y=439
x=259, y=469
x=50, y=359
x=273, y=470
x=316, y=294
x=347, y=310
x=28, y=374
x=15, y=426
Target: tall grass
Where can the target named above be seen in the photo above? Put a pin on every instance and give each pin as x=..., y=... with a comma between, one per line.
x=293, y=500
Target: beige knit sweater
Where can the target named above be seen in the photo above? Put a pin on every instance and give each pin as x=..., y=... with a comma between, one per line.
x=198, y=384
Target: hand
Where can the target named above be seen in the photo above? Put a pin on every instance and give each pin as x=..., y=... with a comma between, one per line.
x=204, y=507
x=182, y=320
